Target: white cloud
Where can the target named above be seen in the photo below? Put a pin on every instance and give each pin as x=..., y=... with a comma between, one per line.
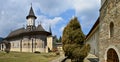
x=53, y=7
x=12, y=15
x=13, y=12
x=85, y=5
x=46, y=22
x=62, y=28
x=56, y=7
x=83, y=8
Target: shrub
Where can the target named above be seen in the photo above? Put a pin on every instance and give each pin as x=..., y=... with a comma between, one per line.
x=36, y=52
x=57, y=53
x=7, y=50
x=54, y=49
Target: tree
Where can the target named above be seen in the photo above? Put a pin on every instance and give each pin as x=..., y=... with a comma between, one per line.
x=59, y=39
x=73, y=41
x=56, y=39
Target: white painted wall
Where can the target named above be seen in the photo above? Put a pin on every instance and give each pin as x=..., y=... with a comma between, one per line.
x=50, y=42
x=93, y=41
x=38, y=43
x=31, y=21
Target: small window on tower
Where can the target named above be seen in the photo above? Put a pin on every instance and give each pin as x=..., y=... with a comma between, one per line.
x=111, y=29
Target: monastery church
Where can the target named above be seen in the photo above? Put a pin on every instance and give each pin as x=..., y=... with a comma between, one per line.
x=104, y=37
x=30, y=39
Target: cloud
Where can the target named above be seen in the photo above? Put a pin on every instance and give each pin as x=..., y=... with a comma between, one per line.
x=53, y=7
x=13, y=12
x=62, y=28
x=89, y=9
x=56, y=7
x=46, y=22
x=12, y=15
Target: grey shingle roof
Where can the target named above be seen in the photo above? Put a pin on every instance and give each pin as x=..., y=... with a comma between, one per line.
x=22, y=31
x=31, y=13
x=16, y=32
x=40, y=28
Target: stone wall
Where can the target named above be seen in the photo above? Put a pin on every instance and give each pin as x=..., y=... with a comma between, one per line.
x=110, y=12
x=102, y=2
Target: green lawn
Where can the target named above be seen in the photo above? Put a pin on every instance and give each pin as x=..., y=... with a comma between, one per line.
x=26, y=57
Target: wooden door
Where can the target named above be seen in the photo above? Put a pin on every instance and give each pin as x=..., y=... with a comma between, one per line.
x=112, y=56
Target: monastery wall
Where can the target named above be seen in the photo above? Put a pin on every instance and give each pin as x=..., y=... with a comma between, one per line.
x=29, y=44
x=93, y=41
x=109, y=13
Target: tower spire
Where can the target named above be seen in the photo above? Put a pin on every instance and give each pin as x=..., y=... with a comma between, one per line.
x=31, y=19
x=31, y=13
x=50, y=29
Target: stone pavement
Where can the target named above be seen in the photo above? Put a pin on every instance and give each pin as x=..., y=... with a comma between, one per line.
x=68, y=60
x=90, y=57
x=59, y=59
x=62, y=57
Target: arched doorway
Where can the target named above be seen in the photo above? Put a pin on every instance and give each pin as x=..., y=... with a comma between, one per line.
x=112, y=56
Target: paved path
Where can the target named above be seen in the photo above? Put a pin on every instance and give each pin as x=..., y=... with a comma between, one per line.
x=68, y=60
x=91, y=56
x=59, y=59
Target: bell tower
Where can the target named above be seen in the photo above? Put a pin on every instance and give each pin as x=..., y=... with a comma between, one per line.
x=31, y=19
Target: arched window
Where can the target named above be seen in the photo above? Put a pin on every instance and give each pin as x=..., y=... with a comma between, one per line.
x=111, y=29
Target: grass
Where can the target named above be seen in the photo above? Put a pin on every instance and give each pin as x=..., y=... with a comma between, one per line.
x=26, y=57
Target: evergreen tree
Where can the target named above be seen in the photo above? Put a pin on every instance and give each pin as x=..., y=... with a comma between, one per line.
x=56, y=39
x=59, y=39
x=73, y=41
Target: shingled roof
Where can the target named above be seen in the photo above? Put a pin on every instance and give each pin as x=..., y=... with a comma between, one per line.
x=40, y=28
x=16, y=32
x=22, y=32
x=31, y=13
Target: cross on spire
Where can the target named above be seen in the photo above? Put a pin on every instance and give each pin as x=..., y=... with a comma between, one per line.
x=31, y=4
x=31, y=13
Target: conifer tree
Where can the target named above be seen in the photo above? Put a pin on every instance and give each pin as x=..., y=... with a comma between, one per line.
x=59, y=39
x=73, y=41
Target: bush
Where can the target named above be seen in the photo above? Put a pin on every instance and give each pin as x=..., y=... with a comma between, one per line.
x=57, y=53
x=36, y=52
x=7, y=50
x=54, y=50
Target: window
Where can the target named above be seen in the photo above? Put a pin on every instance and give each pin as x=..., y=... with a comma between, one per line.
x=13, y=45
x=111, y=29
x=24, y=44
x=28, y=45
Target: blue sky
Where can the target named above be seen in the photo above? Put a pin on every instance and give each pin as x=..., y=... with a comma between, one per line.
x=56, y=13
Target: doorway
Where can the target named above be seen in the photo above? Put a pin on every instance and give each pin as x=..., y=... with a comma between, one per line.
x=112, y=56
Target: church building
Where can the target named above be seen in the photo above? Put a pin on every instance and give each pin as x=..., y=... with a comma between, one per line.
x=30, y=39
x=104, y=37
